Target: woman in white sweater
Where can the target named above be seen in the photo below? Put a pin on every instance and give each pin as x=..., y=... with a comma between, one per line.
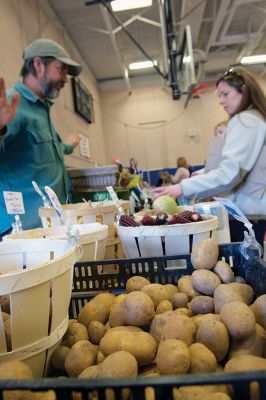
x=241, y=175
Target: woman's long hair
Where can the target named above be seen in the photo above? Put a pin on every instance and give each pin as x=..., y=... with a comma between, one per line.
x=245, y=83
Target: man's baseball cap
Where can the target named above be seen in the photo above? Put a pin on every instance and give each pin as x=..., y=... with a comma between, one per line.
x=49, y=48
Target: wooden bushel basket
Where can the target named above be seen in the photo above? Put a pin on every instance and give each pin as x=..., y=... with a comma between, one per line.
x=85, y=213
x=153, y=241
x=92, y=238
x=36, y=276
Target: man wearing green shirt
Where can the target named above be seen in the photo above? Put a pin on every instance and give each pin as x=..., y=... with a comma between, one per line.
x=30, y=148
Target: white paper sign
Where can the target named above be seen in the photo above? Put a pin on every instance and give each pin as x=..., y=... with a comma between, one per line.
x=84, y=146
x=115, y=199
x=55, y=201
x=14, y=202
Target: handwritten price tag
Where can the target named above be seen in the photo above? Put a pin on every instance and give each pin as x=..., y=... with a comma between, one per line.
x=14, y=202
x=55, y=202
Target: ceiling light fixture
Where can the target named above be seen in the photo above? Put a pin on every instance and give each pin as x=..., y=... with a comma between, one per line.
x=121, y=5
x=258, y=59
x=142, y=65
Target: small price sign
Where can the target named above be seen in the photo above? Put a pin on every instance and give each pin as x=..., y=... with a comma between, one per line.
x=14, y=203
x=84, y=146
x=55, y=202
x=115, y=199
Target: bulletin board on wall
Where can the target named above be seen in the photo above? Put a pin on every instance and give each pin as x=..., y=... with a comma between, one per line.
x=83, y=101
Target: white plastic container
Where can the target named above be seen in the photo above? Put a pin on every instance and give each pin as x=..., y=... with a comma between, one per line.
x=215, y=208
x=36, y=275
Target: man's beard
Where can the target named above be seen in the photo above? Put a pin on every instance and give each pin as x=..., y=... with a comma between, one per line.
x=50, y=89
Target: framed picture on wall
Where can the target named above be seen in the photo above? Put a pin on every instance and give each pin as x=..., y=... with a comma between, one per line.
x=83, y=101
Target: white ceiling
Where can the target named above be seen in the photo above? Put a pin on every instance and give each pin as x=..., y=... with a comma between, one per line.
x=222, y=31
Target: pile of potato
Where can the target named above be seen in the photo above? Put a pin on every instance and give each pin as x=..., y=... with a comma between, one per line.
x=206, y=323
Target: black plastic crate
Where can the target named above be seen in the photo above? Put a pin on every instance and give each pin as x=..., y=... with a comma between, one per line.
x=89, y=279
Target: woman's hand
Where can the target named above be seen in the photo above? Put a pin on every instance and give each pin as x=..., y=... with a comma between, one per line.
x=172, y=190
x=7, y=111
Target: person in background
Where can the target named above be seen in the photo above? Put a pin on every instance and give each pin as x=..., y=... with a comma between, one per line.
x=241, y=174
x=30, y=148
x=182, y=171
x=133, y=166
x=165, y=178
x=214, y=156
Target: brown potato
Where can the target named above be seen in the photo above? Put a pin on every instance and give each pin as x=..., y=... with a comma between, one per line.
x=158, y=322
x=119, y=364
x=202, y=305
x=205, y=254
x=255, y=345
x=173, y=357
x=179, y=300
x=59, y=356
x=136, y=283
x=15, y=369
x=144, y=351
x=157, y=293
x=185, y=286
x=201, y=359
x=93, y=311
x=96, y=331
x=81, y=355
x=199, y=392
x=239, y=320
x=94, y=371
x=183, y=310
x=224, y=271
x=259, y=310
x=245, y=362
x=198, y=319
x=165, y=305
x=179, y=327
x=205, y=281
x=232, y=292
x=74, y=333
x=171, y=289
x=117, y=316
x=138, y=308
x=100, y=357
x=214, y=335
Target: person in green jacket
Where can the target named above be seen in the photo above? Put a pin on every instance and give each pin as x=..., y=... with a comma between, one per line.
x=30, y=147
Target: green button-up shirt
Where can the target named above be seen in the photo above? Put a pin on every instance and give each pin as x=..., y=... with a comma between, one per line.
x=31, y=150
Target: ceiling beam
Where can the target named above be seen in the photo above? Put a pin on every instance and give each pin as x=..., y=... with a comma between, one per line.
x=192, y=14
x=235, y=39
x=252, y=42
x=217, y=24
x=118, y=54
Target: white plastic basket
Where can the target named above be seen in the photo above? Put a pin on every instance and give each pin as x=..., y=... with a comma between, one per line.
x=153, y=241
x=92, y=238
x=93, y=177
x=37, y=276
